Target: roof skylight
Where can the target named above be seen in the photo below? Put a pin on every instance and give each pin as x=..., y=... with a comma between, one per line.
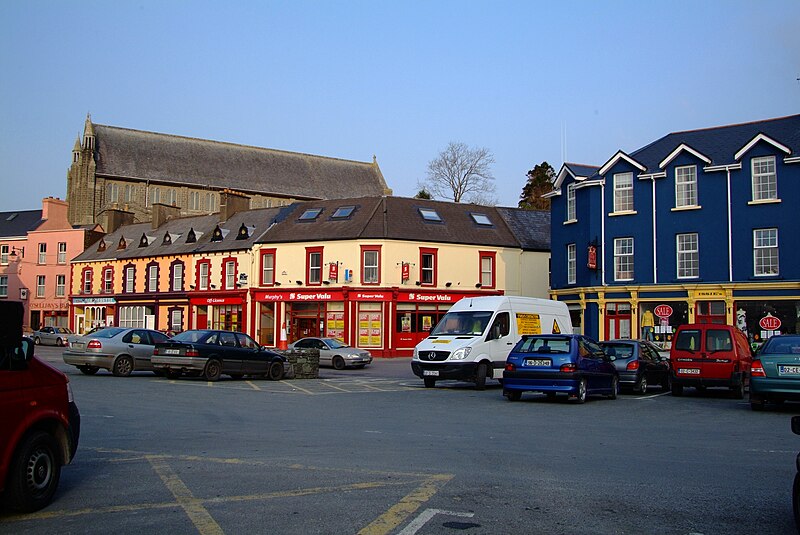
x=310, y=214
x=429, y=214
x=481, y=219
x=342, y=212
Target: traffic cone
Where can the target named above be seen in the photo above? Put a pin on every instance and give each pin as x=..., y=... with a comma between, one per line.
x=282, y=341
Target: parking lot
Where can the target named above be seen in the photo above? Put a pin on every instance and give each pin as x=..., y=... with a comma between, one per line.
x=371, y=451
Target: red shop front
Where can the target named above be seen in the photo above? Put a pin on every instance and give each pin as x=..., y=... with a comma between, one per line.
x=226, y=312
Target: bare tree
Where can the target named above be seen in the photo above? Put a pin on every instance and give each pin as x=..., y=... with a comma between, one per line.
x=460, y=172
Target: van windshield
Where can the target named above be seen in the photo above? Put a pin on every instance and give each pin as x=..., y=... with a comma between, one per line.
x=468, y=323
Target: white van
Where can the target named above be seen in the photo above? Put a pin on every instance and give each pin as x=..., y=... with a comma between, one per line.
x=472, y=341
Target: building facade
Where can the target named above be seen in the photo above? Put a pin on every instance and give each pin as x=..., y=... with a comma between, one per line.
x=698, y=226
x=120, y=168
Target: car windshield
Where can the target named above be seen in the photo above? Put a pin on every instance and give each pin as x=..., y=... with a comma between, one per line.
x=191, y=336
x=471, y=323
x=108, y=332
x=535, y=344
x=782, y=345
x=62, y=330
x=334, y=343
x=621, y=351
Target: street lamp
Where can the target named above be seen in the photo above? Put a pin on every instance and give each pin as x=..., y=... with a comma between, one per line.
x=14, y=250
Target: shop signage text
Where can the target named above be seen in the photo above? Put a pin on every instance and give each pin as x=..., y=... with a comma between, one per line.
x=709, y=294
x=299, y=296
x=371, y=296
x=49, y=305
x=93, y=300
x=663, y=311
x=770, y=323
x=216, y=301
x=438, y=298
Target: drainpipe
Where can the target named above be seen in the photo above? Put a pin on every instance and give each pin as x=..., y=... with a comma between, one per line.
x=603, y=230
x=730, y=238
x=655, y=256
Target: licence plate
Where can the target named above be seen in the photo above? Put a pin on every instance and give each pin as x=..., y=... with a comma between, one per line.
x=172, y=352
x=431, y=373
x=789, y=370
x=538, y=362
x=689, y=371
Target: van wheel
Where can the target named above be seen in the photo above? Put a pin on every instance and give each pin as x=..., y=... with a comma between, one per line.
x=213, y=370
x=430, y=382
x=123, y=366
x=738, y=391
x=88, y=370
x=34, y=473
x=677, y=390
x=338, y=363
x=480, y=376
x=580, y=396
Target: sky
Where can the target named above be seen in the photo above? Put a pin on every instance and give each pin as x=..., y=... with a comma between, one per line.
x=531, y=81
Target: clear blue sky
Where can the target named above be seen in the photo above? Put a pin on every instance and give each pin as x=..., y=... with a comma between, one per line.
x=395, y=79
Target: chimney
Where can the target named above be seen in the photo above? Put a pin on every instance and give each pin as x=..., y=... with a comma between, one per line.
x=231, y=202
x=54, y=209
x=163, y=212
x=113, y=218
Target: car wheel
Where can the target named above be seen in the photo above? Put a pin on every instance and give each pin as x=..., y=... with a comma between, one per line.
x=480, y=376
x=338, y=363
x=641, y=386
x=430, y=382
x=34, y=473
x=275, y=371
x=512, y=395
x=677, y=390
x=37, y=341
x=123, y=366
x=59, y=342
x=737, y=391
x=615, y=387
x=213, y=370
x=88, y=370
x=580, y=396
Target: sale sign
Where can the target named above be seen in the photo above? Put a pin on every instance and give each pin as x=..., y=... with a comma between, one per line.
x=663, y=311
x=770, y=323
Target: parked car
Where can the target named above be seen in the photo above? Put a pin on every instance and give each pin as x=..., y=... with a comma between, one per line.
x=775, y=374
x=39, y=421
x=638, y=363
x=211, y=353
x=120, y=350
x=334, y=353
x=51, y=336
x=74, y=336
x=709, y=355
x=796, y=485
x=571, y=364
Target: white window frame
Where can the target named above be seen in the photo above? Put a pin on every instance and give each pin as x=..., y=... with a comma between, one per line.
x=571, y=204
x=62, y=252
x=61, y=284
x=230, y=275
x=4, y=251
x=41, y=282
x=765, y=242
x=623, y=259
x=42, y=254
x=130, y=276
x=764, y=178
x=572, y=264
x=177, y=277
x=203, y=276
x=176, y=320
x=428, y=273
x=370, y=260
x=3, y=285
x=86, y=284
x=623, y=192
x=687, y=255
x=152, y=278
x=108, y=280
x=487, y=271
x=685, y=186
x=268, y=269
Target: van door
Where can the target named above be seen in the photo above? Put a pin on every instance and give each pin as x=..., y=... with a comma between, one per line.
x=718, y=355
x=500, y=342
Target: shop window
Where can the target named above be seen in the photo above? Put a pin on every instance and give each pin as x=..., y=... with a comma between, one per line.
x=313, y=266
x=267, y=267
x=427, y=263
x=765, y=252
x=176, y=276
x=370, y=264
x=370, y=324
x=176, y=320
x=152, y=277
x=487, y=268
x=623, y=259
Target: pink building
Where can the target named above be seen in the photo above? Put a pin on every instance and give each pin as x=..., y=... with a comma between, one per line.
x=35, y=249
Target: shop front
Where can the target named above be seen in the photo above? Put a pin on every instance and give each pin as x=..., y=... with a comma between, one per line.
x=90, y=312
x=49, y=313
x=225, y=312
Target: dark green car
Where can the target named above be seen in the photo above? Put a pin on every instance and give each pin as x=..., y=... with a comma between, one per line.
x=775, y=372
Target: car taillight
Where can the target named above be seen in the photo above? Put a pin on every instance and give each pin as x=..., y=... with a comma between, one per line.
x=757, y=369
x=192, y=353
x=632, y=365
x=510, y=367
x=155, y=351
x=94, y=344
x=569, y=367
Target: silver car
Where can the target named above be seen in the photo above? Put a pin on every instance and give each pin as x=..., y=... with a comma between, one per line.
x=334, y=353
x=52, y=336
x=119, y=350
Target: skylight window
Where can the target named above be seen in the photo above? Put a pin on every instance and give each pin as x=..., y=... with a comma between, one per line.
x=310, y=214
x=481, y=219
x=429, y=214
x=342, y=212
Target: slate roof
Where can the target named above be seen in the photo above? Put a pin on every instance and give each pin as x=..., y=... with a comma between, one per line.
x=18, y=223
x=579, y=169
x=126, y=153
x=531, y=227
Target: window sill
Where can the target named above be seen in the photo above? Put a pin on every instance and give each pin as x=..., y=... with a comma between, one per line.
x=763, y=201
x=570, y=221
x=624, y=212
x=685, y=208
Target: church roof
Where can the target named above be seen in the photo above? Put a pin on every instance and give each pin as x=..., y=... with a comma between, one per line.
x=171, y=159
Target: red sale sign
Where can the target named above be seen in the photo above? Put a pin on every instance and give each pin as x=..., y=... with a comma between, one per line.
x=770, y=323
x=663, y=311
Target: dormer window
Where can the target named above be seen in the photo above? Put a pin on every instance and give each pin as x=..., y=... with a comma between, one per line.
x=429, y=214
x=123, y=244
x=191, y=237
x=143, y=241
x=243, y=233
x=167, y=239
x=101, y=246
x=481, y=219
x=217, y=234
x=311, y=214
x=343, y=212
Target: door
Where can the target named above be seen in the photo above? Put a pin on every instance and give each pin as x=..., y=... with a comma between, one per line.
x=500, y=341
x=618, y=321
x=253, y=359
x=710, y=312
x=202, y=318
x=230, y=353
x=305, y=327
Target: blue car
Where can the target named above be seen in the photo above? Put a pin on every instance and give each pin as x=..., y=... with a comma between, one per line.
x=570, y=364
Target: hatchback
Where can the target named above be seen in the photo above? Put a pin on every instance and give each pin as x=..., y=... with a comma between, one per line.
x=775, y=374
x=570, y=364
x=119, y=350
x=638, y=363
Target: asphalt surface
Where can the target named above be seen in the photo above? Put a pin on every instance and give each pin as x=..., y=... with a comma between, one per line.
x=373, y=452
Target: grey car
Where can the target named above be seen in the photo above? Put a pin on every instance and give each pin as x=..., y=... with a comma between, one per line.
x=334, y=353
x=51, y=336
x=119, y=350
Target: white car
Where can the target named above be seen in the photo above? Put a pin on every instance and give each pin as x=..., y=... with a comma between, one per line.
x=51, y=336
x=334, y=353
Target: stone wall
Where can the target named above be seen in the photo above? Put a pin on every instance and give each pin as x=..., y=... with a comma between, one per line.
x=304, y=361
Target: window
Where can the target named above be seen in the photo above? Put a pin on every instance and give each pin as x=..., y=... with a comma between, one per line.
x=342, y=212
x=127, y=193
x=571, y=264
x=152, y=278
x=310, y=214
x=61, y=283
x=40, y=283
x=108, y=280
x=623, y=259
x=42, y=253
x=427, y=262
x=172, y=197
x=155, y=195
x=62, y=252
x=481, y=219
x=685, y=186
x=4, y=249
x=623, y=192
x=765, y=182
x=87, y=281
x=230, y=274
x=688, y=256
x=194, y=200
x=130, y=279
x=211, y=202
x=487, y=259
x=765, y=252
x=313, y=265
x=203, y=275
x=571, y=215
x=429, y=214
x=268, y=267
x=177, y=276
x=3, y=285
x=112, y=193
x=176, y=320
x=370, y=264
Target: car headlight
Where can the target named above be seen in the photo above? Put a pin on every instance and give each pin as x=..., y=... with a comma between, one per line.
x=461, y=354
x=416, y=354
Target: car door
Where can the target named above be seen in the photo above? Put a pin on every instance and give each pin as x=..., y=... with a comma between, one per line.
x=229, y=353
x=657, y=369
x=325, y=353
x=137, y=344
x=253, y=359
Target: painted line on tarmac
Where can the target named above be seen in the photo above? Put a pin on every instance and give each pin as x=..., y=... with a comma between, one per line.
x=253, y=385
x=426, y=515
x=330, y=385
x=300, y=388
x=654, y=395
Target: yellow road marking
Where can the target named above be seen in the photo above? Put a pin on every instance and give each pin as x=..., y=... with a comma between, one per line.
x=253, y=385
x=209, y=383
x=293, y=385
x=336, y=387
x=193, y=507
x=399, y=512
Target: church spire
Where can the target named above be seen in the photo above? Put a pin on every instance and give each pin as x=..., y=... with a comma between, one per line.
x=88, y=133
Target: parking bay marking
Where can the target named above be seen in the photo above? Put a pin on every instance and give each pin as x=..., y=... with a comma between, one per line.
x=426, y=515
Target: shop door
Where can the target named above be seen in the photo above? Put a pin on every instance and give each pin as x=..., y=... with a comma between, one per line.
x=710, y=312
x=303, y=327
x=202, y=318
x=618, y=321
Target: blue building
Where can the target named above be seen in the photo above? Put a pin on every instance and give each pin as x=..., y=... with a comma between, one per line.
x=698, y=226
